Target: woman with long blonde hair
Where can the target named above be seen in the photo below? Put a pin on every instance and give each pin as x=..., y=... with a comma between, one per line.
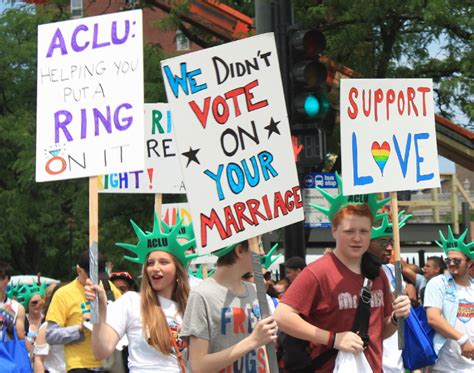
x=151, y=319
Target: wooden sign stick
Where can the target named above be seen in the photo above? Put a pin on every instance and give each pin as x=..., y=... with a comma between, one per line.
x=262, y=299
x=398, y=267
x=158, y=204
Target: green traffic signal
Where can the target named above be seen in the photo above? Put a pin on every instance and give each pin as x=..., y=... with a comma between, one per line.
x=311, y=106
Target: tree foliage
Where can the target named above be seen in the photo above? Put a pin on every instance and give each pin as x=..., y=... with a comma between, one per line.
x=45, y=225
x=403, y=39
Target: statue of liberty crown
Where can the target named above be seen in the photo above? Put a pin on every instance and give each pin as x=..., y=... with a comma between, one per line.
x=386, y=228
x=186, y=231
x=23, y=292
x=162, y=238
x=339, y=201
x=456, y=244
x=267, y=260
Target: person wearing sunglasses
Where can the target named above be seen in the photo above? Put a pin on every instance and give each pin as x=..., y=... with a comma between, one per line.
x=381, y=245
x=449, y=303
x=123, y=281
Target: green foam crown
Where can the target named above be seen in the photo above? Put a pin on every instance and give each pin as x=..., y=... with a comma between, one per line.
x=162, y=238
x=456, y=244
x=338, y=201
x=386, y=228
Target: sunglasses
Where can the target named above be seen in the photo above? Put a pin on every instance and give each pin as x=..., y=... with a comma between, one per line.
x=35, y=302
x=383, y=244
x=454, y=261
x=121, y=274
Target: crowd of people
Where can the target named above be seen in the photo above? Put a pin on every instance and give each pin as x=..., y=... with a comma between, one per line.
x=342, y=304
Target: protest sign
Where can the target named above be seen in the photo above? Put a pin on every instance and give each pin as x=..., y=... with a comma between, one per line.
x=90, y=97
x=162, y=173
x=171, y=211
x=233, y=140
x=388, y=138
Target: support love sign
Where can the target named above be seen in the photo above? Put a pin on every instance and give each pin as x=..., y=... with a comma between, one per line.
x=388, y=136
x=233, y=140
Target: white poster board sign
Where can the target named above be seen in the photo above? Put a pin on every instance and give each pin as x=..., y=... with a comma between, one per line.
x=388, y=137
x=171, y=211
x=326, y=181
x=90, y=97
x=233, y=138
x=162, y=173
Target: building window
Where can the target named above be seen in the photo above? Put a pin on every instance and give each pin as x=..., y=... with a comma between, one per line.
x=182, y=42
x=76, y=9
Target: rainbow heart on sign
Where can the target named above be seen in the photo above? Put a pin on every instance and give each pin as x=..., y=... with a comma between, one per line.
x=381, y=154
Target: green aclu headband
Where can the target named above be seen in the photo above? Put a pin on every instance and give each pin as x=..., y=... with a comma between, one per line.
x=186, y=231
x=386, y=228
x=160, y=239
x=267, y=260
x=337, y=202
x=23, y=293
x=456, y=244
x=199, y=272
x=224, y=250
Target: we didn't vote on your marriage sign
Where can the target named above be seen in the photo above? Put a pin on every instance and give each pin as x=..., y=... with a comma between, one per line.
x=233, y=139
x=388, y=137
x=90, y=97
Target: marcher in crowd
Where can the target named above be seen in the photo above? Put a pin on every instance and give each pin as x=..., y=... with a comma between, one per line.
x=12, y=313
x=449, y=303
x=123, y=281
x=320, y=305
x=293, y=267
x=68, y=316
x=48, y=358
x=381, y=245
x=152, y=318
x=223, y=320
x=433, y=267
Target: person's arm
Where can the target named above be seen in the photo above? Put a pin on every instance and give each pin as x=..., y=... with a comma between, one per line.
x=443, y=327
x=203, y=361
x=40, y=351
x=20, y=322
x=104, y=337
x=290, y=322
x=63, y=335
x=401, y=310
x=408, y=271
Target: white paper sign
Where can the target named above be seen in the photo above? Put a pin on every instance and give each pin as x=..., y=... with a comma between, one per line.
x=162, y=173
x=388, y=137
x=90, y=97
x=233, y=137
x=171, y=211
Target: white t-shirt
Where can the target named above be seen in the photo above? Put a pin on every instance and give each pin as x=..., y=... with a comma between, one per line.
x=392, y=361
x=54, y=361
x=124, y=317
x=449, y=357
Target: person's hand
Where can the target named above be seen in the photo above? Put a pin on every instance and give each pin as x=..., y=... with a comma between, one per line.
x=91, y=290
x=401, y=307
x=348, y=342
x=264, y=332
x=467, y=350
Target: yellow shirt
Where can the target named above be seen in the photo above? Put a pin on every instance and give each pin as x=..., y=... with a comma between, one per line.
x=66, y=309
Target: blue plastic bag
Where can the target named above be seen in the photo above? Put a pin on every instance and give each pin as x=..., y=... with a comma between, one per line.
x=17, y=352
x=419, y=351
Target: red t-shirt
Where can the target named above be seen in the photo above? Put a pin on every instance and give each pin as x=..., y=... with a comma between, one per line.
x=326, y=294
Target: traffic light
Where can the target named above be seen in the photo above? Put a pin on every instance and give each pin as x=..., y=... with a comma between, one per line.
x=307, y=95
